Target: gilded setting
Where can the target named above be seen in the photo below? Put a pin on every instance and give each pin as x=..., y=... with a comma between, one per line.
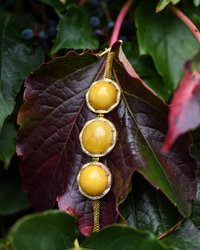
x=103, y=96
x=98, y=174
x=98, y=137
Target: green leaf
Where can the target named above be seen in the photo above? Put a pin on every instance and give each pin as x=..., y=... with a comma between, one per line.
x=167, y=39
x=148, y=209
x=126, y=238
x=12, y=197
x=50, y=230
x=2, y=243
x=59, y=5
x=7, y=143
x=17, y=59
x=196, y=2
x=144, y=66
x=73, y=33
x=196, y=205
x=163, y=3
x=185, y=237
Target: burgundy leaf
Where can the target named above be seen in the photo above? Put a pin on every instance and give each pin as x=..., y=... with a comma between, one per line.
x=142, y=122
x=52, y=117
x=184, y=112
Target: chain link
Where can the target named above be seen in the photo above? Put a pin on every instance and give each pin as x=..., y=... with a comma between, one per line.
x=109, y=64
x=96, y=203
x=96, y=215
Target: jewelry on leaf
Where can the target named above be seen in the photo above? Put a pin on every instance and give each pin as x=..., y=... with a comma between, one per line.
x=97, y=138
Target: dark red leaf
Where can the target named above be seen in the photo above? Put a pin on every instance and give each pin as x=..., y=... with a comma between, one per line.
x=184, y=112
x=52, y=118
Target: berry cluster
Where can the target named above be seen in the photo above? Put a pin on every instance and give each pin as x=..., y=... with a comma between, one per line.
x=97, y=19
x=50, y=31
x=103, y=16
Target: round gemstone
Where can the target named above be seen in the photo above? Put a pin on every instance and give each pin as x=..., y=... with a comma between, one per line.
x=103, y=96
x=98, y=137
x=94, y=180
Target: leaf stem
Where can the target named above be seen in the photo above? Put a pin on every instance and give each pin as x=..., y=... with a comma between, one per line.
x=106, y=11
x=171, y=229
x=186, y=20
x=119, y=21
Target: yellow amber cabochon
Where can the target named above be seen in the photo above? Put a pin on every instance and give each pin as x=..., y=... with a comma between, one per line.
x=103, y=95
x=98, y=137
x=94, y=180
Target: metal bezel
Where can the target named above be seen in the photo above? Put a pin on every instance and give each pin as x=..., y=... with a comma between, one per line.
x=114, y=137
x=96, y=197
x=111, y=107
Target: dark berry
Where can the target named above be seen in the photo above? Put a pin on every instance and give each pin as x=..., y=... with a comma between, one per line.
x=94, y=21
x=94, y=3
x=110, y=25
x=27, y=34
x=123, y=38
x=98, y=32
x=42, y=34
x=52, y=32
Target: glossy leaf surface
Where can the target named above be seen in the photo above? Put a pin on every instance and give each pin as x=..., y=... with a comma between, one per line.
x=184, y=112
x=73, y=32
x=148, y=209
x=7, y=143
x=126, y=238
x=171, y=44
x=196, y=206
x=14, y=55
x=146, y=136
x=53, y=116
x=51, y=230
x=144, y=67
x=185, y=237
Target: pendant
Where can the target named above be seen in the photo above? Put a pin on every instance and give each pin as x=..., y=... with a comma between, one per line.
x=97, y=138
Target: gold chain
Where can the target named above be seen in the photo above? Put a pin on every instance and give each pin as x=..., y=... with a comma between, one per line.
x=96, y=214
x=109, y=64
x=96, y=203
